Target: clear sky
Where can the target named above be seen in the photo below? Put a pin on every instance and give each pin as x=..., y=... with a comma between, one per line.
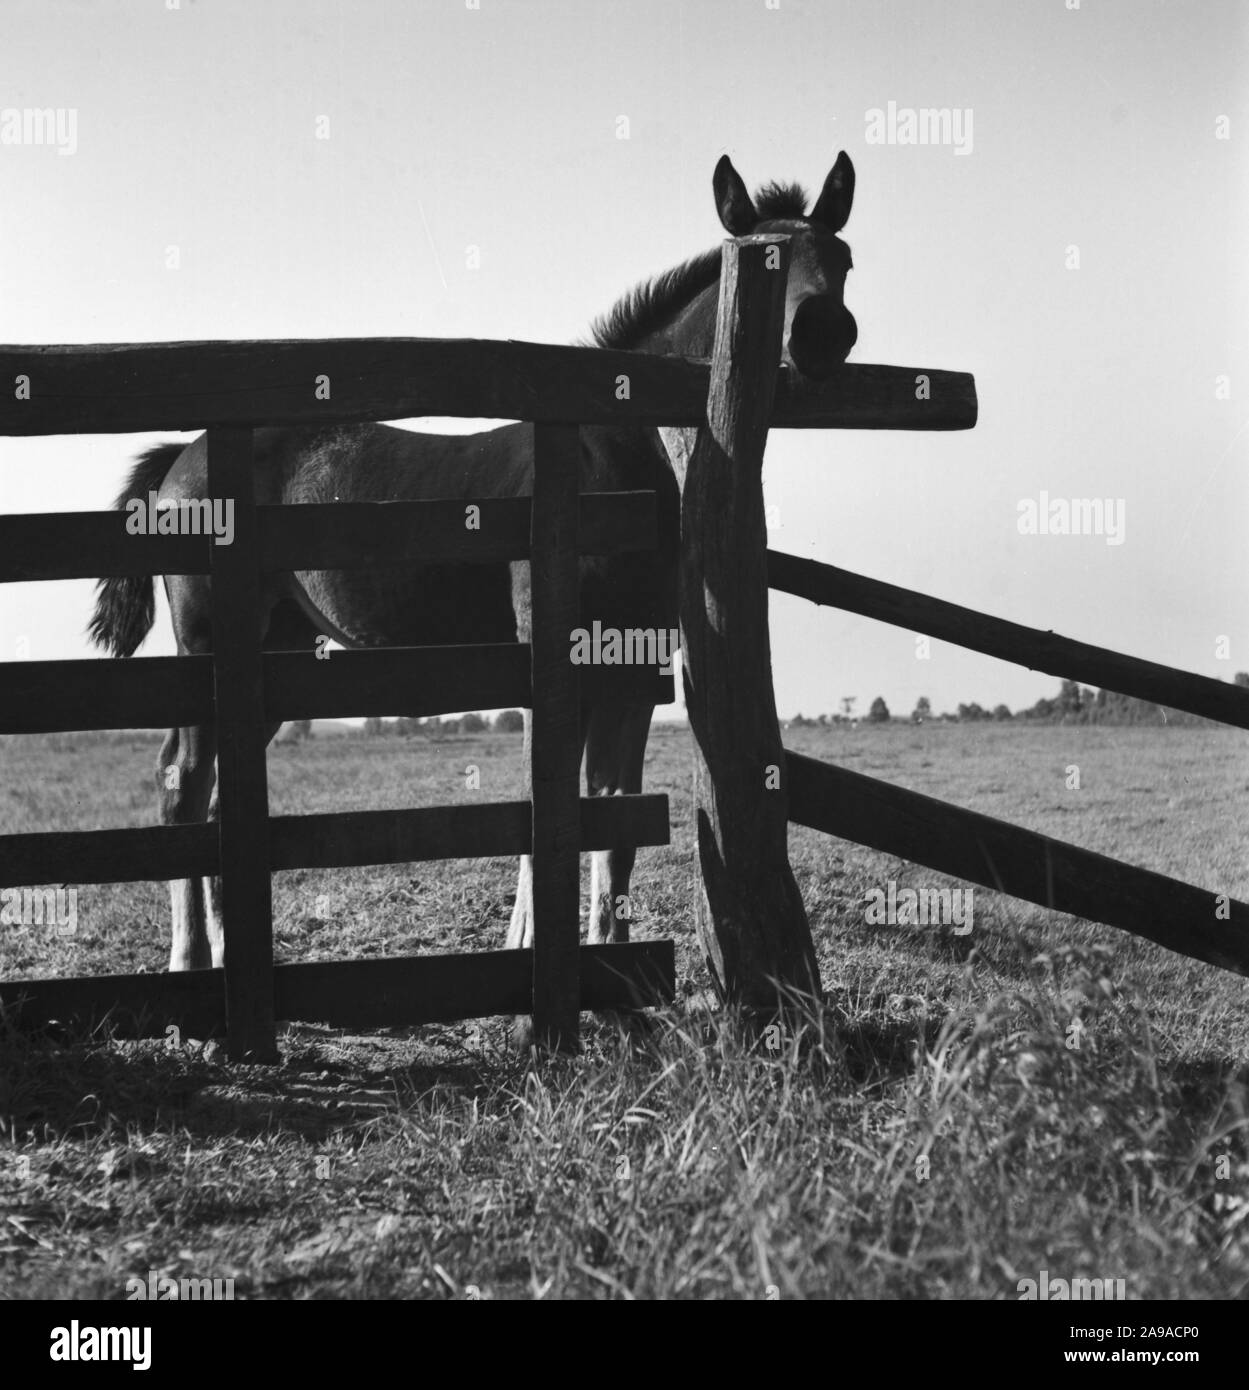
x=1094, y=128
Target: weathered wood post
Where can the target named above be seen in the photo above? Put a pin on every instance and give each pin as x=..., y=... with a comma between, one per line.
x=751, y=921
x=242, y=776
x=555, y=745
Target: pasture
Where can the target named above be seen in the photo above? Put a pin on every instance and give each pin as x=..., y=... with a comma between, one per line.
x=934, y=1134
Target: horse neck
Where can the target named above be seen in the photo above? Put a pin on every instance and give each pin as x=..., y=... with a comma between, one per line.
x=691, y=332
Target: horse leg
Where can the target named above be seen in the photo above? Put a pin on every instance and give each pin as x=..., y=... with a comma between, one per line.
x=184, y=778
x=212, y=885
x=615, y=750
x=520, y=929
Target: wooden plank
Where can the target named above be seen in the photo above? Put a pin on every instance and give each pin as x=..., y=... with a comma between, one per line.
x=556, y=742
x=109, y=856
x=111, y=388
x=442, y=989
x=353, y=535
x=1026, y=646
x=91, y=545
x=339, y=535
x=414, y=681
x=123, y=388
x=146, y=692
x=341, y=838
x=242, y=782
x=1022, y=863
x=751, y=922
x=159, y=692
x=135, y=1006
x=394, y=991
x=862, y=396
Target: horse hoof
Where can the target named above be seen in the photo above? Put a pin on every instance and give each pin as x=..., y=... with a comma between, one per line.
x=520, y=1035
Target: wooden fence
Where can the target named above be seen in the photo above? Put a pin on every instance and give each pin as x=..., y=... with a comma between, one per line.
x=714, y=418
x=230, y=389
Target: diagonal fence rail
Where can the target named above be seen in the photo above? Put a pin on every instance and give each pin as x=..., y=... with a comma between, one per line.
x=1209, y=927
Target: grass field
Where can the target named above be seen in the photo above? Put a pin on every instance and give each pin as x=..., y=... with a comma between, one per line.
x=933, y=1133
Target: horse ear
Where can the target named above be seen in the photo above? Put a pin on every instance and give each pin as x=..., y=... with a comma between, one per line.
x=737, y=213
x=833, y=206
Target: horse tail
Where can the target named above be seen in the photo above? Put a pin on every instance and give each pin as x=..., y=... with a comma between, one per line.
x=125, y=605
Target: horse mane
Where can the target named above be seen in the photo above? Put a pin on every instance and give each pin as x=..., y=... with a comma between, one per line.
x=645, y=308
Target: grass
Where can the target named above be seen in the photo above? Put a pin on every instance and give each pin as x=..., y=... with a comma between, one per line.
x=939, y=1130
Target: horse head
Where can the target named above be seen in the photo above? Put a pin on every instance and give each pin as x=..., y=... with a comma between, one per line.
x=819, y=329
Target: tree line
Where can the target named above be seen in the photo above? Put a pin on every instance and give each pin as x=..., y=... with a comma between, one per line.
x=1074, y=704
x=508, y=721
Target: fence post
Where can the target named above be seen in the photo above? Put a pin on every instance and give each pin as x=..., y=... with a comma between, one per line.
x=242, y=779
x=751, y=921
x=556, y=740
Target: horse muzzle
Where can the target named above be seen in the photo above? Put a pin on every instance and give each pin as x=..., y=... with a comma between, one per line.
x=821, y=336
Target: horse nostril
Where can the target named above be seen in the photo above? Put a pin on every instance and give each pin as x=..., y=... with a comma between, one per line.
x=821, y=335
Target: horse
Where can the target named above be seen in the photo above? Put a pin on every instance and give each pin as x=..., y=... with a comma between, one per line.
x=437, y=604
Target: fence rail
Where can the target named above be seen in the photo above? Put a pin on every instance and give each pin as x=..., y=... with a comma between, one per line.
x=391, y=991
x=1026, y=646
x=127, y=388
x=320, y=535
x=1023, y=863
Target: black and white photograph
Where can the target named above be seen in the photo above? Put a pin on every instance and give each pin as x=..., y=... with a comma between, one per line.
x=624, y=667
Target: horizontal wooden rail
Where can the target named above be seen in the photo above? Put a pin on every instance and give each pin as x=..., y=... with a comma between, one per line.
x=158, y=692
x=145, y=692
x=313, y=536
x=353, y=535
x=90, y=545
x=138, y=1006
x=413, y=681
x=126, y=387
x=863, y=396
x=339, y=839
x=331, y=840
x=109, y=856
x=1022, y=863
x=402, y=990
x=1026, y=646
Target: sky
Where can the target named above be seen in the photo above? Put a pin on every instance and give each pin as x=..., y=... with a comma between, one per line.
x=311, y=168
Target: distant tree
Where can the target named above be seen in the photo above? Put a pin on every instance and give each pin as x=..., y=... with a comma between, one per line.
x=1002, y=712
x=1073, y=702
x=823, y=720
x=302, y=728
x=373, y=726
x=449, y=726
x=879, y=712
x=971, y=714
x=473, y=724
x=1241, y=678
x=922, y=710
x=509, y=721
